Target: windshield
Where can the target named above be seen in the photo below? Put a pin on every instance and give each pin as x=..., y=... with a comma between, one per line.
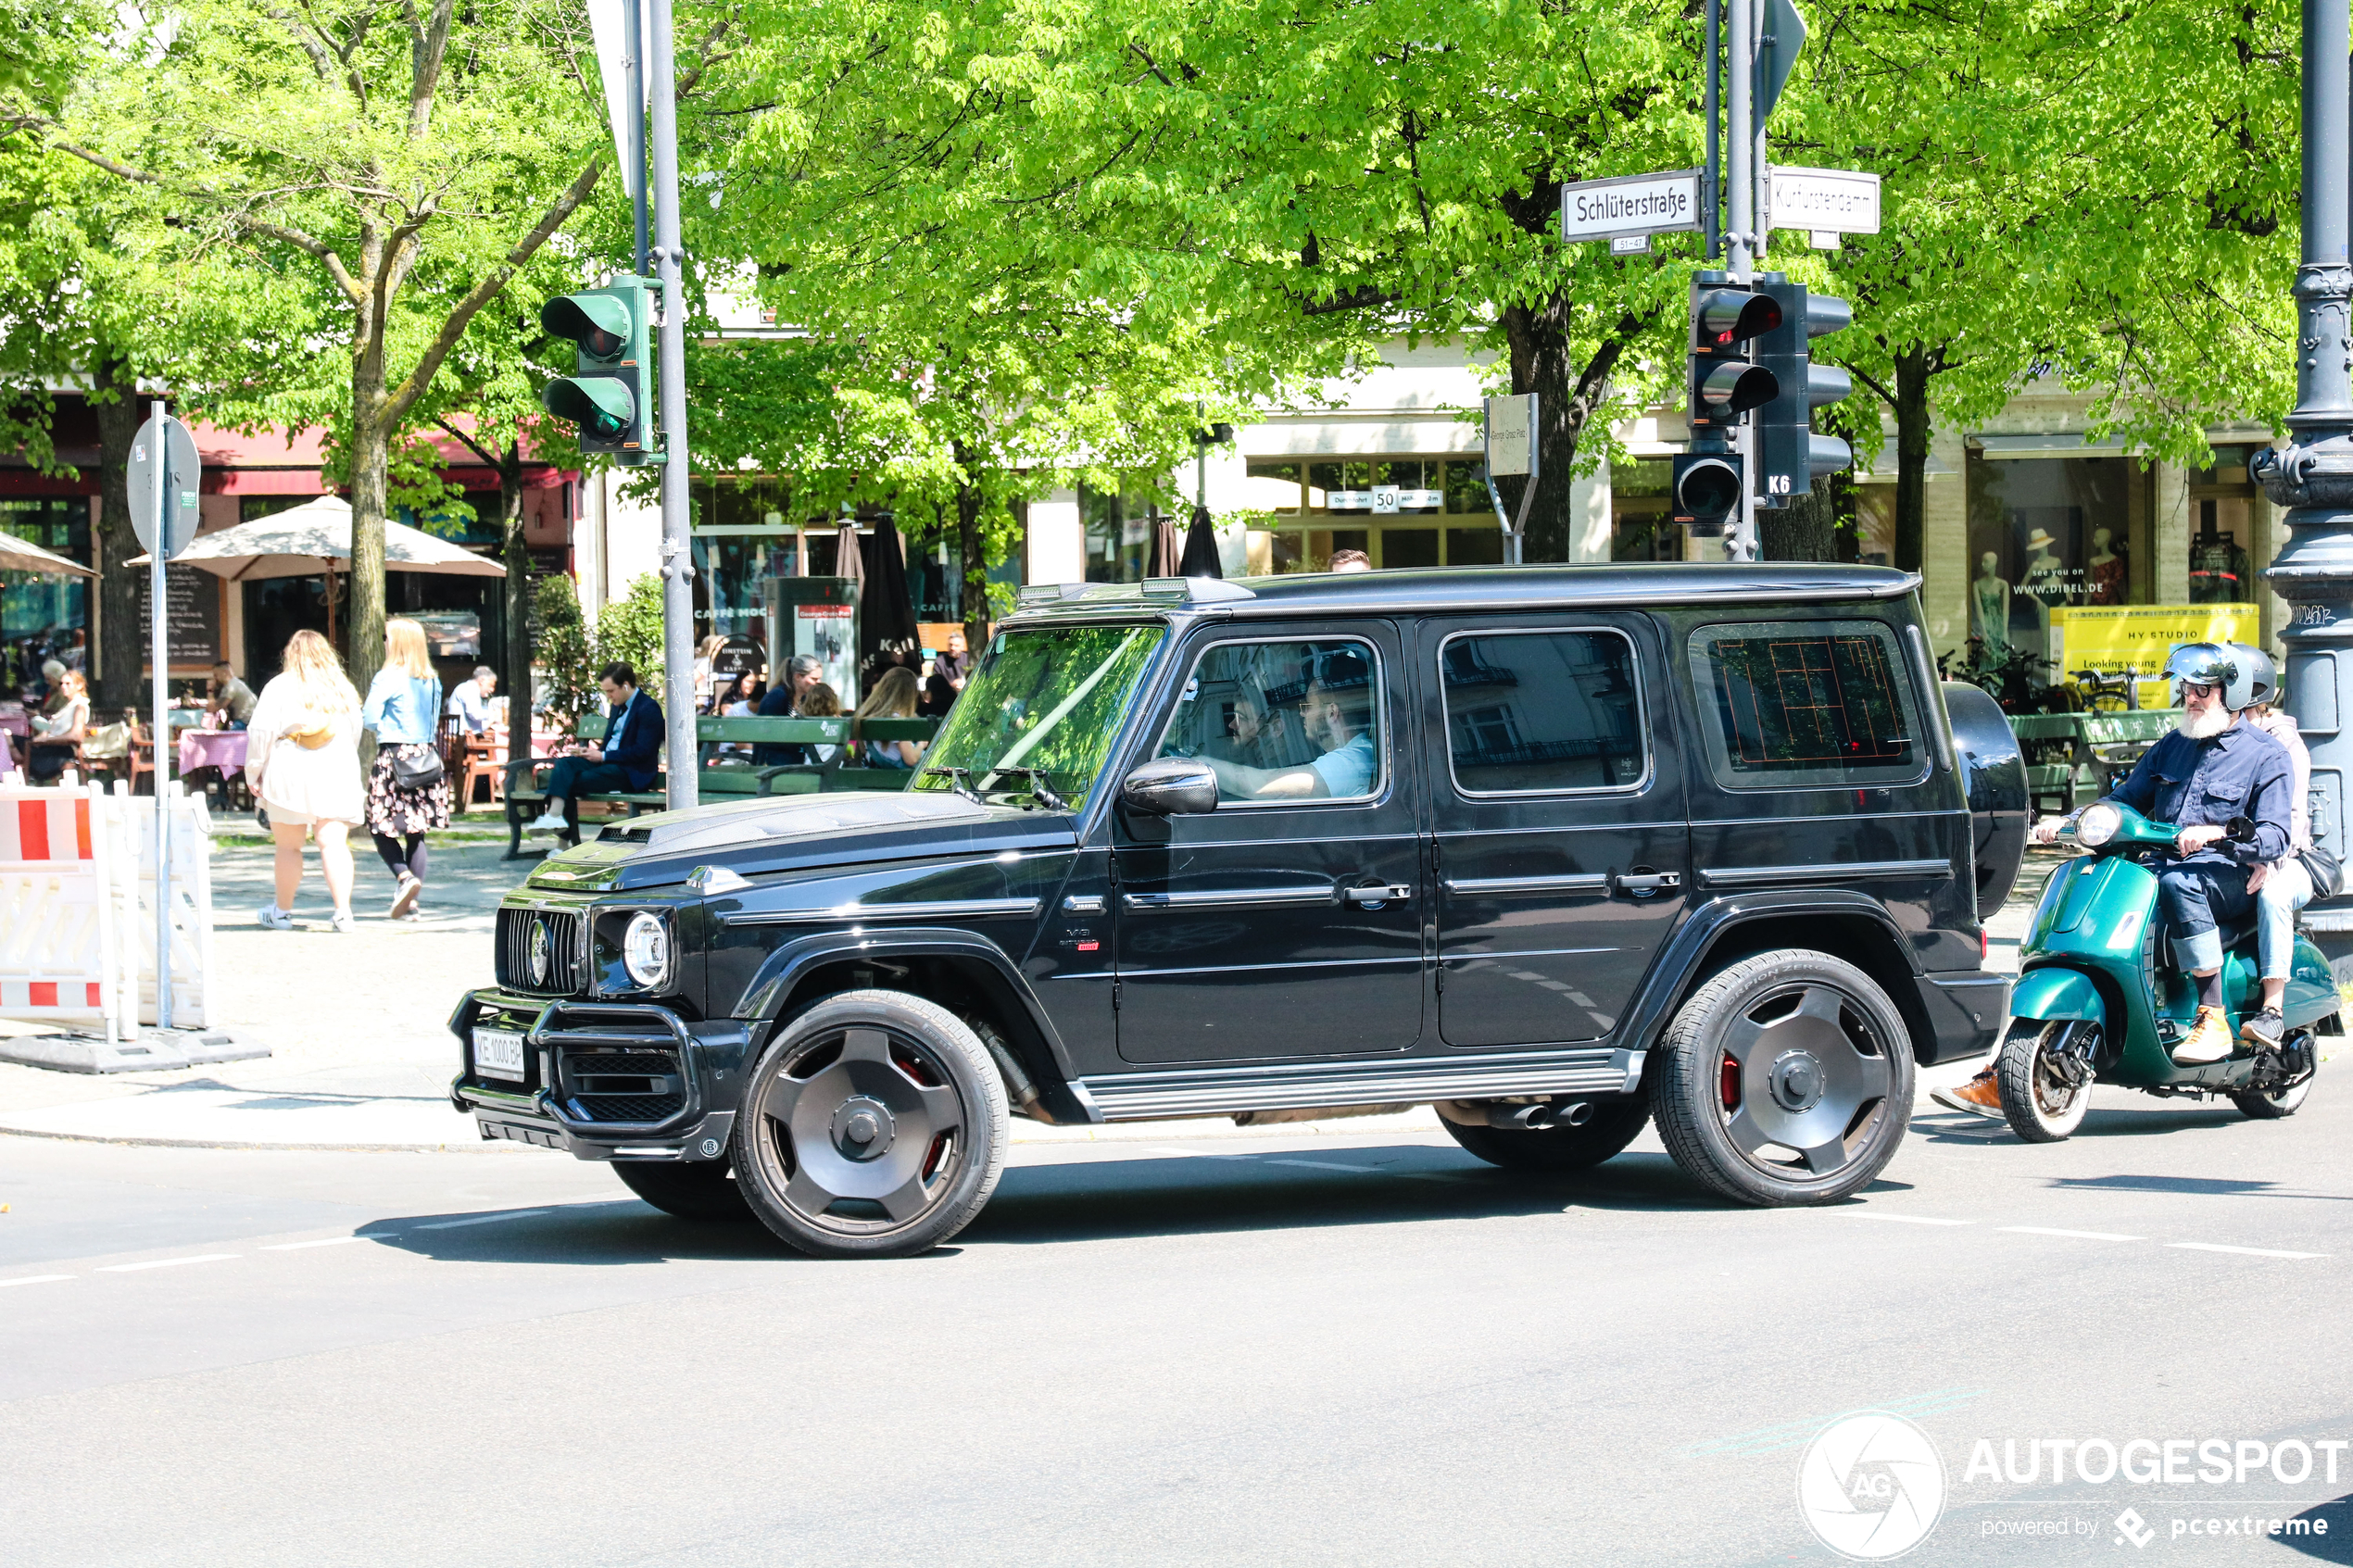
x=1050, y=699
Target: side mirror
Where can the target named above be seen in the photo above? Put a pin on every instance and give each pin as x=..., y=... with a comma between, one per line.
x=2239, y=830
x=1171, y=786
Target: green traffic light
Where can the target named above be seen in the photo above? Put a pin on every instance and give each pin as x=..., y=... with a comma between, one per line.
x=599, y=323
x=602, y=407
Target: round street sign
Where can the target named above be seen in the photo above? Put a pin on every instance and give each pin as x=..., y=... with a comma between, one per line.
x=182, y=473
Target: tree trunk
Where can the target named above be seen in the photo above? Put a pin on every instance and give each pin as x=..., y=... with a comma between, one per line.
x=1567, y=397
x=370, y=475
x=122, y=589
x=1913, y=368
x=514, y=672
x=972, y=550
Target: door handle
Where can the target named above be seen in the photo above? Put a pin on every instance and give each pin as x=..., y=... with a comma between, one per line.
x=1393, y=894
x=1641, y=885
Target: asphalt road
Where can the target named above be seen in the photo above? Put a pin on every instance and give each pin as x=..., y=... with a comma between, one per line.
x=1222, y=1351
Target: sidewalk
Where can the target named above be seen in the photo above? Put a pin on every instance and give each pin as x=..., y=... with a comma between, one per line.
x=356, y=1025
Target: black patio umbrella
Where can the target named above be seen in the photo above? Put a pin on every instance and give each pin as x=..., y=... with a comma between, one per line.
x=1200, y=548
x=887, y=633
x=1162, y=561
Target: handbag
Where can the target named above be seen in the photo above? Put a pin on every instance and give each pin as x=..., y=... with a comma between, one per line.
x=410, y=771
x=2326, y=871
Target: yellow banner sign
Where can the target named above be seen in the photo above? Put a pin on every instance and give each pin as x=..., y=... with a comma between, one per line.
x=2137, y=637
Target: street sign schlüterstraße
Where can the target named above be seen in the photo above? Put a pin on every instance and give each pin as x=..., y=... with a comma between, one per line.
x=1825, y=200
x=1631, y=203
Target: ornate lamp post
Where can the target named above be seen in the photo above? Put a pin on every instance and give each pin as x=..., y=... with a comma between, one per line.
x=2313, y=478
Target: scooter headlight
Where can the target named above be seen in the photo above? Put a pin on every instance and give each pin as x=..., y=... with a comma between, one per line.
x=2097, y=825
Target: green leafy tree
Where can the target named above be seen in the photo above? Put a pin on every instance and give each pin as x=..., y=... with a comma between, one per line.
x=628, y=631
x=567, y=659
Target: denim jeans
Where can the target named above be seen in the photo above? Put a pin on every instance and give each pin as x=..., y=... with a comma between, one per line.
x=2196, y=894
x=2286, y=890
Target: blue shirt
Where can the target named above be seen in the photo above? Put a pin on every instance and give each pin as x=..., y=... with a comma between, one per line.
x=1348, y=770
x=2241, y=773
x=402, y=708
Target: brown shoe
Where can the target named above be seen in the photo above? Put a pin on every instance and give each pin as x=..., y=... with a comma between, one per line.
x=1982, y=1096
x=2208, y=1039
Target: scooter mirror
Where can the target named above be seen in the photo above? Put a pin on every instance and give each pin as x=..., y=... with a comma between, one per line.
x=2239, y=830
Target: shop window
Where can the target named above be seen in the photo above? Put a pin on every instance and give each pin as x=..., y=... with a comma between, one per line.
x=1274, y=486
x=1408, y=547
x=1875, y=525
x=1466, y=490
x=1640, y=526
x=40, y=616
x=1475, y=547
x=2046, y=534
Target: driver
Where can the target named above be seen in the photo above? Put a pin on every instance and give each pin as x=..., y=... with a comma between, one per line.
x=2210, y=768
x=1336, y=714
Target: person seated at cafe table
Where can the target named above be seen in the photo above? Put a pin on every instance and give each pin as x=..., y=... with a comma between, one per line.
x=470, y=705
x=233, y=700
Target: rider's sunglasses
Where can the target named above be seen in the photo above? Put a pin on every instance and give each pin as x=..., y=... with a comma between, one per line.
x=2199, y=688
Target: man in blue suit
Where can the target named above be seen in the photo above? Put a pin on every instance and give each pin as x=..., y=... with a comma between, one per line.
x=629, y=759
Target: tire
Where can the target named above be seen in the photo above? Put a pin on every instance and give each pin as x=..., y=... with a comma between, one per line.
x=701, y=1189
x=1614, y=1125
x=1795, y=1052
x=2272, y=1107
x=2037, y=1101
x=873, y=1127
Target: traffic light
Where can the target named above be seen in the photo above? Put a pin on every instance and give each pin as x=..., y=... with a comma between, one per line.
x=610, y=392
x=1789, y=454
x=1706, y=491
x=1727, y=380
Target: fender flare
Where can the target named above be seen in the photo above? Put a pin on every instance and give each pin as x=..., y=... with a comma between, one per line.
x=2055, y=992
x=1677, y=963
x=784, y=966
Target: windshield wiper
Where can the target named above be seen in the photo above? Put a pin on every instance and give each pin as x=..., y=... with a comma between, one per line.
x=1041, y=786
x=961, y=780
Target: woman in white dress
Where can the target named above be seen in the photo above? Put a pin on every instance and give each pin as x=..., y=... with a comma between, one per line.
x=303, y=758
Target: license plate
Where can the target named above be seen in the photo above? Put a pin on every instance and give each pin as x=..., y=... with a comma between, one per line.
x=499, y=1054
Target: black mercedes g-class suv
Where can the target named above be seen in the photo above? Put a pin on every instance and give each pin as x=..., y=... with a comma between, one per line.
x=1558, y=850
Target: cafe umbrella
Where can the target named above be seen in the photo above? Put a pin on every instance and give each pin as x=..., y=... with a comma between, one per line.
x=886, y=630
x=1200, y=548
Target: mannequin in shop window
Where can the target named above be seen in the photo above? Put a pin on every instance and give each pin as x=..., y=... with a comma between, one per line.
x=1989, y=604
x=2107, y=569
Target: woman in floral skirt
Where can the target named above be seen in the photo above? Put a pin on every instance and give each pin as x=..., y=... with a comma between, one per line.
x=407, y=790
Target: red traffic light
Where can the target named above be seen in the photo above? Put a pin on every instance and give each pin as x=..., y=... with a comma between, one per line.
x=1723, y=317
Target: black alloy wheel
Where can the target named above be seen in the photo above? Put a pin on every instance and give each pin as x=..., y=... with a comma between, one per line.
x=1787, y=1079
x=1614, y=1125
x=874, y=1126
x=700, y=1189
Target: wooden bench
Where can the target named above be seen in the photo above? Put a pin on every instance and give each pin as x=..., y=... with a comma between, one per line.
x=527, y=794
x=2070, y=755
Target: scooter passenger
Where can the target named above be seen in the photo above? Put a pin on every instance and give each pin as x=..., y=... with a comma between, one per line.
x=2212, y=768
x=2282, y=886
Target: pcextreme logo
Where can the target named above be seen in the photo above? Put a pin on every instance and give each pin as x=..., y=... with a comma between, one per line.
x=1871, y=1486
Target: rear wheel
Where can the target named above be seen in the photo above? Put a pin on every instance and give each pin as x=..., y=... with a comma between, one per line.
x=2045, y=1090
x=1614, y=1125
x=1787, y=1080
x=2270, y=1106
x=873, y=1127
x=704, y=1189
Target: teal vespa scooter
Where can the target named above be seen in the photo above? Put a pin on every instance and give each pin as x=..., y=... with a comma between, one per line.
x=2098, y=999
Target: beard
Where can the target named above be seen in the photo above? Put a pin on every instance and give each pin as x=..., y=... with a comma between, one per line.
x=2206, y=726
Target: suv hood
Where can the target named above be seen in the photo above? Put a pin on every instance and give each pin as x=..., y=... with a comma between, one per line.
x=799, y=833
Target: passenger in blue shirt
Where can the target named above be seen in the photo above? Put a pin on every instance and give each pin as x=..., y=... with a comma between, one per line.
x=629, y=759
x=1337, y=716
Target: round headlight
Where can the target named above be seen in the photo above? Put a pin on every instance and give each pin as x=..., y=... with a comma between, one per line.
x=645, y=951
x=2095, y=827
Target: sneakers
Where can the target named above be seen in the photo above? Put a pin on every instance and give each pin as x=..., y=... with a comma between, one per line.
x=1982, y=1096
x=2208, y=1039
x=406, y=899
x=345, y=924
x=2264, y=1029
x=547, y=821
x=276, y=918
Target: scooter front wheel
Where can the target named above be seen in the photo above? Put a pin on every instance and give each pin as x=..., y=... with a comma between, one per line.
x=2044, y=1091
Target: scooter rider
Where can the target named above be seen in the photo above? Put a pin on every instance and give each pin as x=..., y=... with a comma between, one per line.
x=2210, y=768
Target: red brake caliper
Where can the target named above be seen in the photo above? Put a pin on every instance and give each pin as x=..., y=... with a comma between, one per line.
x=1728, y=1083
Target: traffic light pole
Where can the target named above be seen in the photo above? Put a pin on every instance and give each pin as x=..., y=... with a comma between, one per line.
x=1743, y=136
x=637, y=9
x=677, y=560
x=2314, y=477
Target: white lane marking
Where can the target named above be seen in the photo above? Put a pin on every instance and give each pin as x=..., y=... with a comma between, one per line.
x=1318, y=1164
x=330, y=1241
x=35, y=1279
x=168, y=1262
x=1903, y=1219
x=483, y=1219
x=2077, y=1235
x=2242, y=1251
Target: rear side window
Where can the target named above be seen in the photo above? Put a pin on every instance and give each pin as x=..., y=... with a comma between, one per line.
x=1789, y=703
x=1540, y=712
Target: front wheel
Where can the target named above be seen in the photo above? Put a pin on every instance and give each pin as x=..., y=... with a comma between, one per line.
x=873, y=1127
x=2045, y=1090
x=1787, y=1080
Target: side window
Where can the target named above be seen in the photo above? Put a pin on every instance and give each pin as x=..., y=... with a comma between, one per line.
x=1530, y=712
x=1284, y=721
x=1797, y=703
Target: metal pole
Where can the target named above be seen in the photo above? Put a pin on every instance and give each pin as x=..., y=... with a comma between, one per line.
x=677, y=561
x=637, y=124
x=2314, y=477
x=1740, y=240
x=1711, y=191
x=158, y=647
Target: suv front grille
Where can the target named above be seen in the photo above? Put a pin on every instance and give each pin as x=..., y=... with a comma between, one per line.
x=629, y=1108
x=562, y=969
x=630, y=1085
